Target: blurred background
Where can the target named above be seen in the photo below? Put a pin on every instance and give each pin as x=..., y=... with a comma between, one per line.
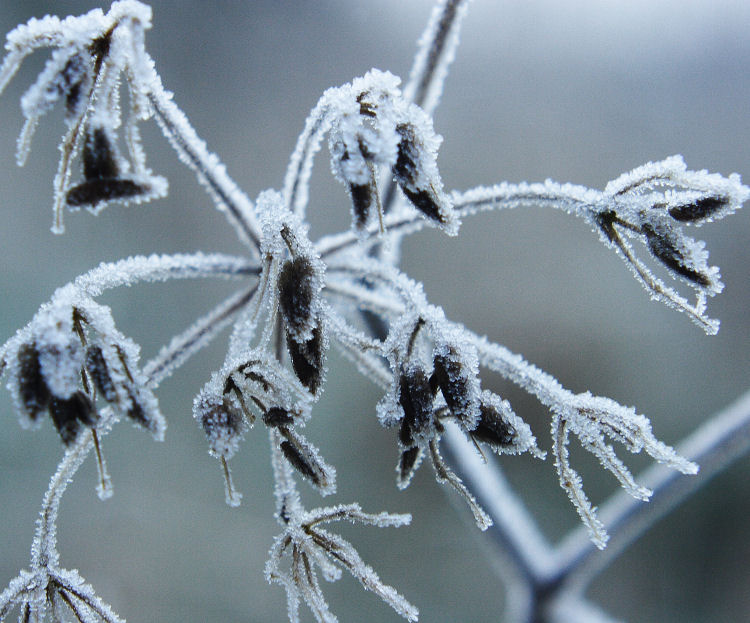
x=579, y=91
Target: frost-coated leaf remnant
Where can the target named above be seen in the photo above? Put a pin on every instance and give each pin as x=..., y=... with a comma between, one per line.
x=299, y=296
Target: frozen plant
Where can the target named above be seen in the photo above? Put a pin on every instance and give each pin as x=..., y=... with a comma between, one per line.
x=297, y=297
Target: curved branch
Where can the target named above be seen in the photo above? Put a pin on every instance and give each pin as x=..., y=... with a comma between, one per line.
x=138, y=269
x=209, y=170
x=715, y=445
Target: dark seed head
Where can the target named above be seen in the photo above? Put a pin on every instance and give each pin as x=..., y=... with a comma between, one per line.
x=361, y=203
x=307, y=359
x=35, y=394
x=425, y=202
x=407, y=464
x=97, y=368
x=223, y=425
x=665, y=250
x=276, y=416
x=492, y=428
x=73, y=76
x=69, y=413
x=415, y=398
x=300, y=462
x=95, y=191
x=698, y=210
x=296, y=295
x=405, y=171
x=99, y=160
x=405, y=168
x=138, y=412
x=404, y=434
x=454, y=382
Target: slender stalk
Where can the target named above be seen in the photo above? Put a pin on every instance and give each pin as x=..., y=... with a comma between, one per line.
x=139, y=269
x=437, y=49
x=724, y=438
x=193, y=339
x=515, y=530
x=206, y=165
x=44, y=549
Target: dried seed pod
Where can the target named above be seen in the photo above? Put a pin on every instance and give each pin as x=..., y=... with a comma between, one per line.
x=32, y=388
x=665, y=248
x=698, y=210
x=493, y=428
x=307, y=359
x=362, y=199
x=91, y=193
x=298, y=285
x=75, y=78
x=63, y=76
x=143, y=411
x=405, y=437
x=305, y=458
x=407, y=464
x=456, y=376
x=277, y=416
x=101, y=172
x=405, y=168
x=99, y=156
x=223, y=425
x=97, y=368
x=69, y=413
x=416, y=399
x=415, y=182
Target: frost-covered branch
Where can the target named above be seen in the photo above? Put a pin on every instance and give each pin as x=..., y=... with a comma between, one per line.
x=207, y=167
x=717, y=443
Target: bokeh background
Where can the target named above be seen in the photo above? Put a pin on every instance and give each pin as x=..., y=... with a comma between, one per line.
x=578, y=91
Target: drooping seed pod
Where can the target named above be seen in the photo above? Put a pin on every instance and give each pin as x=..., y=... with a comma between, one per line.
x=69, y=413
x=455, y=373
x=64, y=75
x=307, y=359
x=494, y=427
x=299, y=284
x=277, y=416
x=665, y=248
x=698, y=210
x=143, y=410
x=76, y=80
x=222, y=423
x=304, y=457
x=416, y=399
x=362, y=200
x=98, y=370
x=32, y=388
x=407, y=464
x=416, y=174
x=101, y=172
x=99, y=156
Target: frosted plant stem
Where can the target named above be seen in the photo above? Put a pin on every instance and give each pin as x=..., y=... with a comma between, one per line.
x=206, y=165
x=44, y=553
x=514, y=529
x=714, y=446
x=44, y=549
x=437, y=50
x=193, y=339
x=156, y=268
x=297, y=178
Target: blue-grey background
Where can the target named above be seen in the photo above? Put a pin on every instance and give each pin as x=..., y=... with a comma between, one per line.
x=577, y=91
